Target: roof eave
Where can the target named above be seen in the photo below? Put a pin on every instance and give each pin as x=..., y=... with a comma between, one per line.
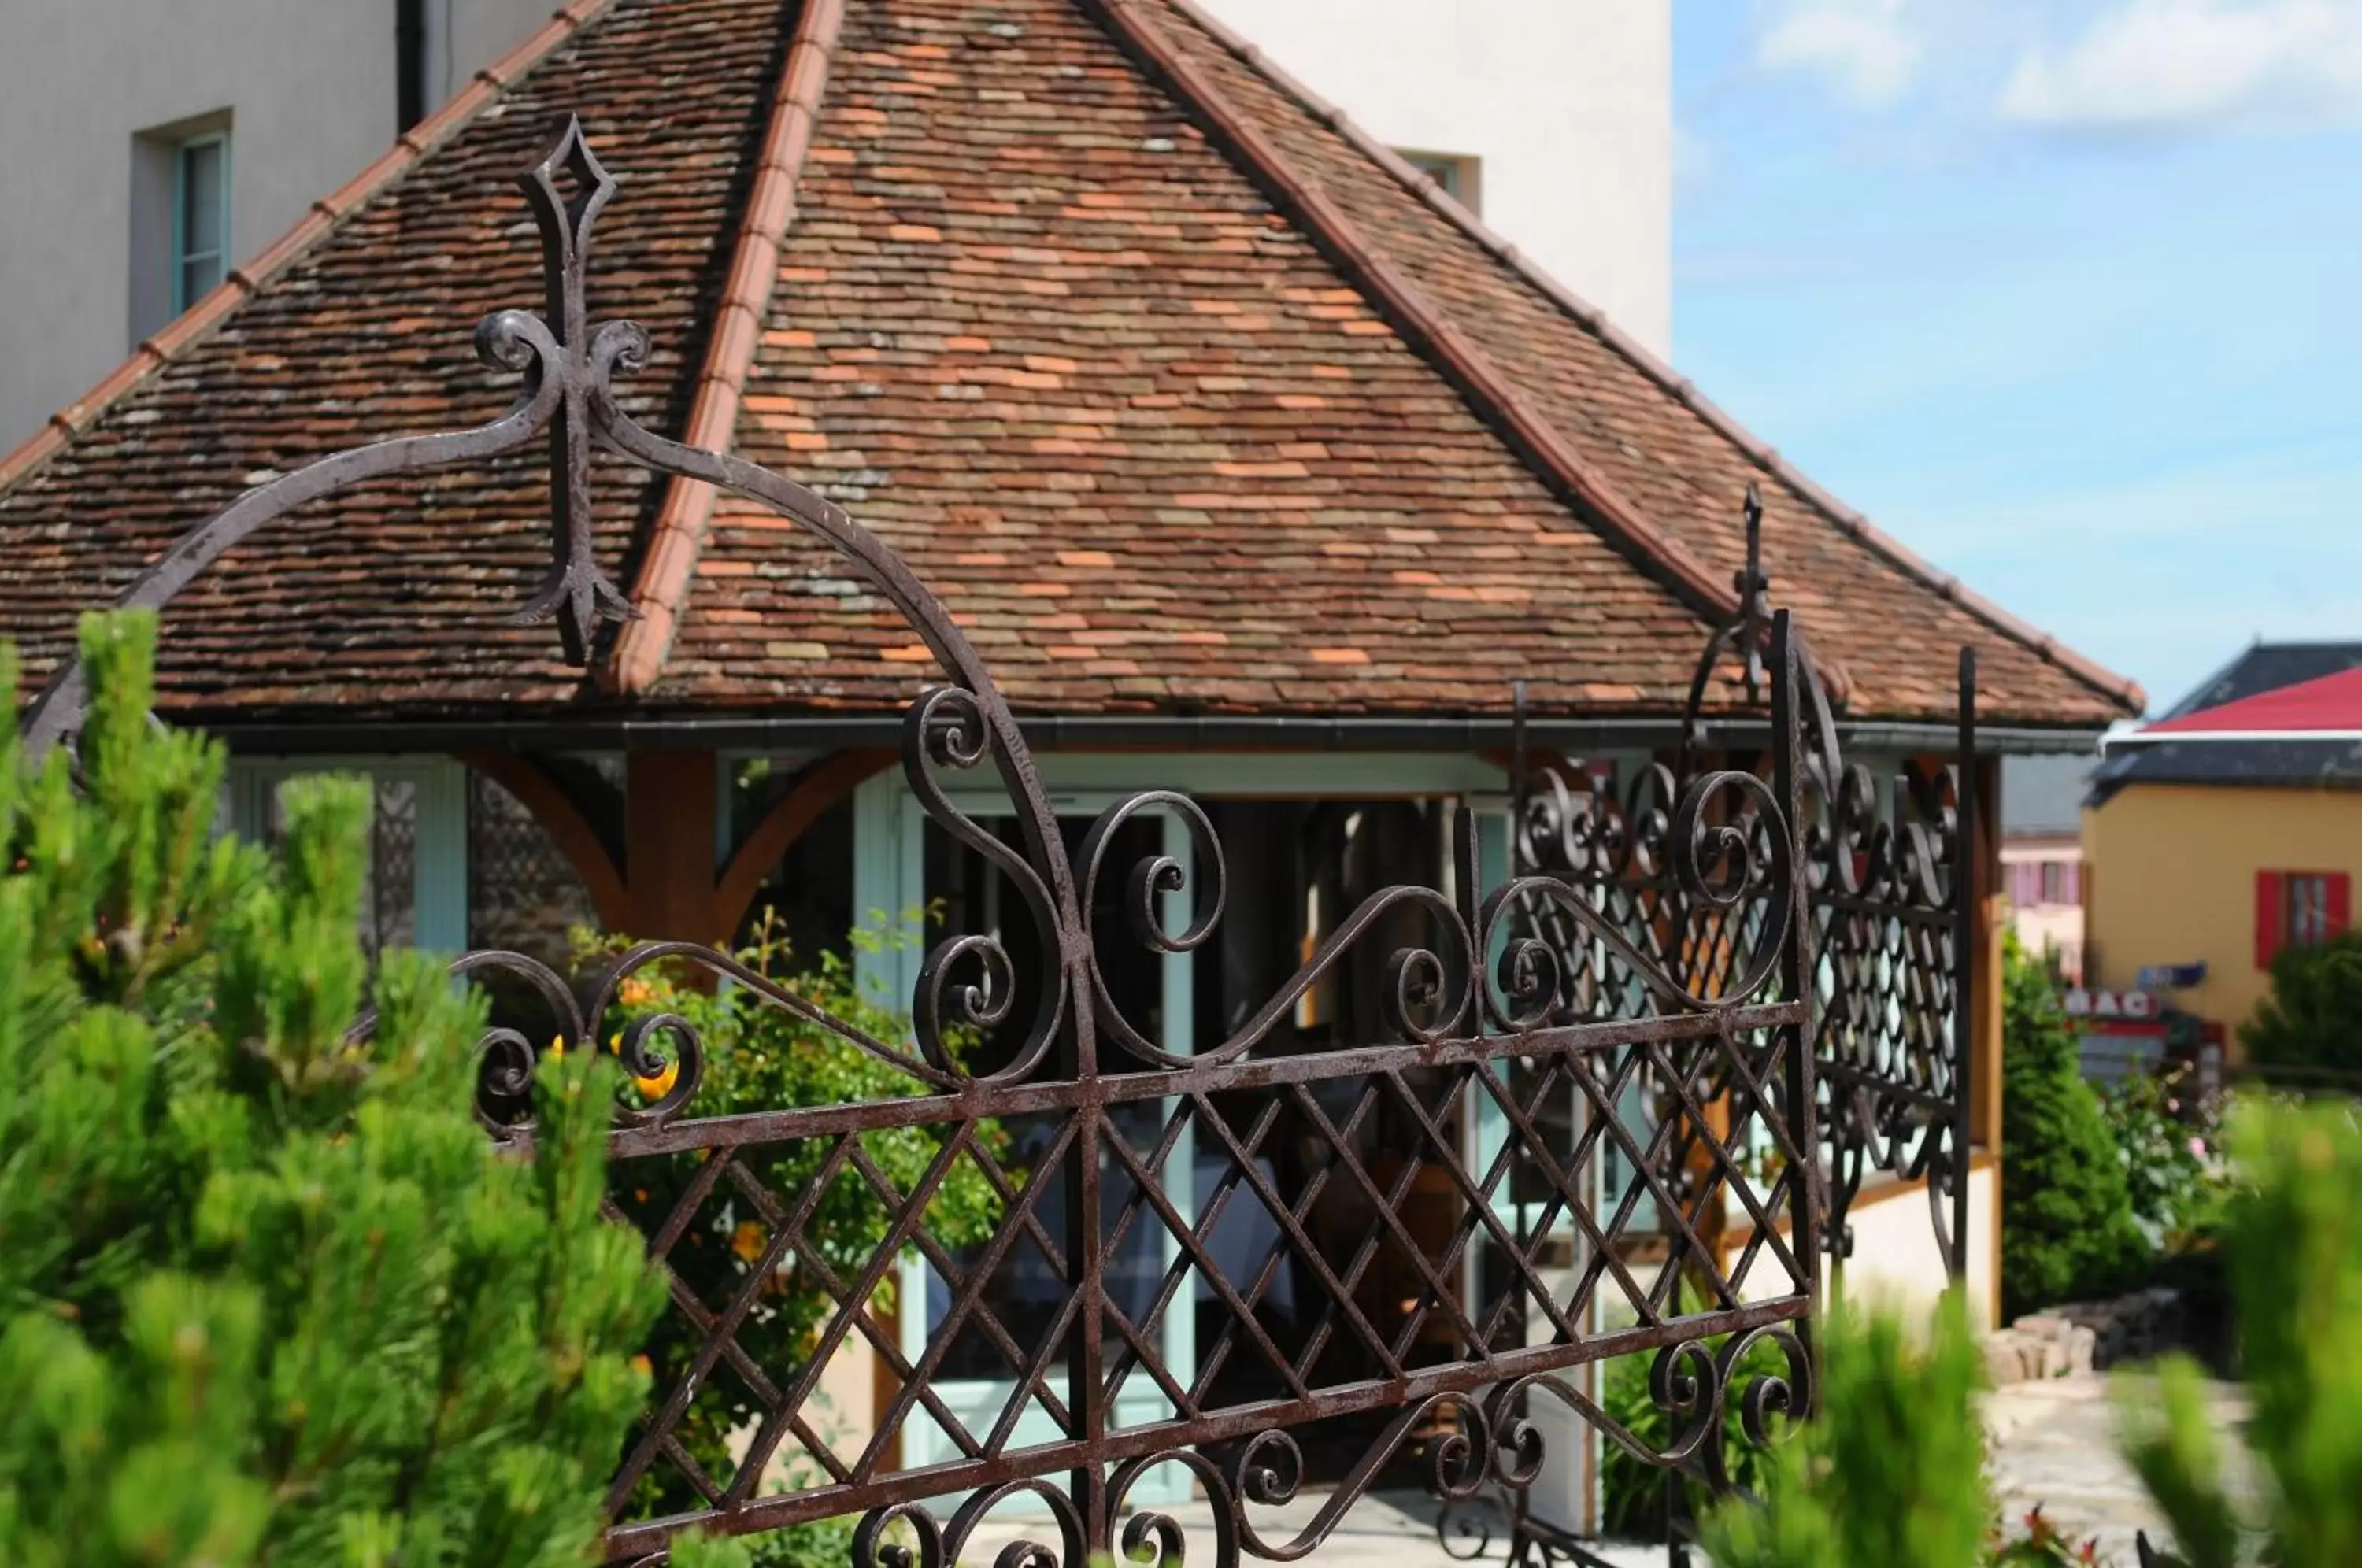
x=2117, y=689
x=248, y=277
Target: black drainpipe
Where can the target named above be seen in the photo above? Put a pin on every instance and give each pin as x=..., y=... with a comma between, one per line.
x=409, y=62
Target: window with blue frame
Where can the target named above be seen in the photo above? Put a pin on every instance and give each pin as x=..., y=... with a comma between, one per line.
x=455, y=861
x=414, y=889
x=201, y=217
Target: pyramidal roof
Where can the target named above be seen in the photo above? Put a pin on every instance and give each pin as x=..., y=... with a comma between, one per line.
x=1182, y=393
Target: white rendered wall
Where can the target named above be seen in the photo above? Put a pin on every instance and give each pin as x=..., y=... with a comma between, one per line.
x=1567, y=103
x=1896, y=1259
x=309, y=88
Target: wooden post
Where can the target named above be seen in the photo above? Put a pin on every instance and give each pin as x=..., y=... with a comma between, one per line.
x=1985, y=1046
x=670, y=802
x=1984, y=1055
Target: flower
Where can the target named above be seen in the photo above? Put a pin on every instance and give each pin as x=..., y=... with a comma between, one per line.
x=632, y=993
x=641, y=1364
x=660, y=1085
x=2198, y=1148
x=748, y=1241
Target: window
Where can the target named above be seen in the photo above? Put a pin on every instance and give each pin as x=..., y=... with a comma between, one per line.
x=2302, y=908
x=2306, y=899
x=414, y=889
x=523, y=894
x=200, y=218
x=1457, y=174
x=2035, y=884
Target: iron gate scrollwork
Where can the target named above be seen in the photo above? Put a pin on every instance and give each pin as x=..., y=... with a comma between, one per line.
x=1888, y=859
x=1485, y=1275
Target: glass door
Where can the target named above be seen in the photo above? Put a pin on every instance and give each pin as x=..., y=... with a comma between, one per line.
x=913, y=876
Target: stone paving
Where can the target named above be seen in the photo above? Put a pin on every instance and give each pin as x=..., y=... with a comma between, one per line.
x=2054, y=1444
x=1386, y=1529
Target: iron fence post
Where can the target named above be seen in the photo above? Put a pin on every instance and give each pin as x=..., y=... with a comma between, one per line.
x=1967, y=873
x=1796, y=957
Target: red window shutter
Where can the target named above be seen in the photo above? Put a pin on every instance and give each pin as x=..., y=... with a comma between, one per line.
x=2074, y=881
x=2270, y=904
x=2341, y=902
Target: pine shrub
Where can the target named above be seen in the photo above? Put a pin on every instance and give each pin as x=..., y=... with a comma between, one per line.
x=1892, y=1471
x=2068, y=1226
x=268, y=1294
x=2293, y=1244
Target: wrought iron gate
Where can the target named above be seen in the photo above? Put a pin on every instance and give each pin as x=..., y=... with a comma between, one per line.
x=1730, y=950
x=1888, y=864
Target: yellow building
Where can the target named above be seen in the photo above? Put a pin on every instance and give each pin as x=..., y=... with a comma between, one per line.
x=2239, y=835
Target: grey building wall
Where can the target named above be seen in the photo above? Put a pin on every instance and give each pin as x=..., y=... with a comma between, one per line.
x=94, y=94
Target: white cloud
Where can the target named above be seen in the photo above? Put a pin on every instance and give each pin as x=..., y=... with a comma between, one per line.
x=2173, y=64
x=1868, y=47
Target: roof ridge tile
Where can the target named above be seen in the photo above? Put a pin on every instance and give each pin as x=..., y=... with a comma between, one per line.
x=661, y=589
x=1591, y=317
x=1532, y=436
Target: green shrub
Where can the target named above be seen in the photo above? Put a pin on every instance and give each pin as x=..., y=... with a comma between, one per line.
x=2293, y=1246
x=2067, y=1225
x=2310, y=1020
x=268, y=1294
x=1888, y=1473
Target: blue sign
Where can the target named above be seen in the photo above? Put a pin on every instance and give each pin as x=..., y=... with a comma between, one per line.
x=2172, y=977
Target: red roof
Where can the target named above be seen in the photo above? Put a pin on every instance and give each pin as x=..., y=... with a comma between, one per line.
x=2326, y=708
x=1184, y=394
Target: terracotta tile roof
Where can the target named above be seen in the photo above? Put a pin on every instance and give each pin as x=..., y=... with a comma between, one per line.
x=1182, y=397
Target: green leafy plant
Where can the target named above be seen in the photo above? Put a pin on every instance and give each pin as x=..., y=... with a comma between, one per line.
x=2069, y=1230
x=2310, y=1020
x=268, y=1294
x=2043, y=1545
x=762, y=1057
x=2172, y=1174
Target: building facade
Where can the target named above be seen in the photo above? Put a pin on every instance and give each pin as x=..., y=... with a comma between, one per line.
x=152, y=147
x=2208, y=856
x=1550, y=119
x=2042, y=856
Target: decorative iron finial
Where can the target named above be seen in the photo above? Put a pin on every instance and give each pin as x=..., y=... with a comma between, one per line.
x=566, y=189
x=1754, y=597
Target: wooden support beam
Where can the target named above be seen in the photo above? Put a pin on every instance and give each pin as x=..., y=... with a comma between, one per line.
x=822, y=786
x=1989, y=919
x=666, y=886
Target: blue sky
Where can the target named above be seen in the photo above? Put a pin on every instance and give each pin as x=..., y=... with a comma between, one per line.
x=2066, y=294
